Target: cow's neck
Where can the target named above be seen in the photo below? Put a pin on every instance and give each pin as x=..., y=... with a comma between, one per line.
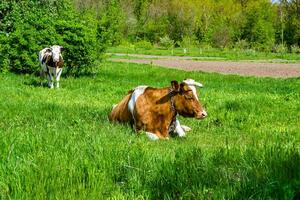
x=172, y=125
x=165, y=98
x=173, y=110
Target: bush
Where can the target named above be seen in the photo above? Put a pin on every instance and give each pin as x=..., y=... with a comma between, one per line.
x=279, y=48
x=221, y=38
x=187, y=42
x=295, y=49
x=34, y=30
x=4, y=62
x=242, y=45
x=143, y=44
x=166, y=42
x=81, y=47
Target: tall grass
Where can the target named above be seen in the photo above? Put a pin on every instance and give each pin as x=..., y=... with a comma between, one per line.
x=58, y=144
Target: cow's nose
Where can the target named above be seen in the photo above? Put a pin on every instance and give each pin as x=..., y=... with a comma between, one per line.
x=204, y=113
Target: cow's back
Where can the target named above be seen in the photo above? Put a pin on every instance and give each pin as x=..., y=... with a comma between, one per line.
x=152, y=110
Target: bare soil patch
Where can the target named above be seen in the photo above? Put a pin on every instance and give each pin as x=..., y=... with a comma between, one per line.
x=244, y=68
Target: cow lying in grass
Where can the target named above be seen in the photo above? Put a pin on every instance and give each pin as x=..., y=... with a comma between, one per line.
x=154, y=110
x=52, y=62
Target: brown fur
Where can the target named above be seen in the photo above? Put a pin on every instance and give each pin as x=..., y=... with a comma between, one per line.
x=49, y=61
x=120, y=112
x=153, y=111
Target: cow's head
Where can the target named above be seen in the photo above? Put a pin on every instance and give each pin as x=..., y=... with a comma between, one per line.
x=56, y=52
x=186, y=100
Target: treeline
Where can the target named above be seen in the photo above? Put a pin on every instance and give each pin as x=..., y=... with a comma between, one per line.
x=258, y=24
x=86, y=27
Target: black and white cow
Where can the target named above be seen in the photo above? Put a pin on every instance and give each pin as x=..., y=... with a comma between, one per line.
x=52, y=62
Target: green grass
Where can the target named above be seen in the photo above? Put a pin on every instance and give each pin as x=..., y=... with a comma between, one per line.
x=58, y=144
x=211, y=54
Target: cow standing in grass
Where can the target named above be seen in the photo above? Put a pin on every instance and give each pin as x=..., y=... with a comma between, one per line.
x=52, y=62
x=155, y=110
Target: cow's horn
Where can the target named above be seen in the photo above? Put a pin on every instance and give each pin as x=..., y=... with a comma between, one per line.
x=198, y=84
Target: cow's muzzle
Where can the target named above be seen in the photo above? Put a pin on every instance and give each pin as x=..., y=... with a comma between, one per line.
x=201, y=114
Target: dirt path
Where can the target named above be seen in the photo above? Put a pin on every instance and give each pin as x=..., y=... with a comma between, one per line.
x=245, y=68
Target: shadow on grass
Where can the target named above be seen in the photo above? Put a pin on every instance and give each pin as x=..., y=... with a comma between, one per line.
x=36, y=82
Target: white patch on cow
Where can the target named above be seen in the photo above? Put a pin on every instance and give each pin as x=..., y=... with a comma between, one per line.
x=56, y=52
x=42, y=53
x=192, y=83
x=138, y=91
x=180, y=132
x=58, y=73
x=152, y=136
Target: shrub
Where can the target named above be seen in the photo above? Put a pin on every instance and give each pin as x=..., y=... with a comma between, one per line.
x=295, y=49
x=279, y=48
x=33, y=30
x=4, y=62
x=166, y=42
x=143, y=44
x=221, y=38
x=81, y=47
x=242, y=45
x=187, y=42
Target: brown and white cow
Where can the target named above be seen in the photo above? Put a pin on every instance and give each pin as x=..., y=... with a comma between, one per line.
x=52, y=62
x=155, y=110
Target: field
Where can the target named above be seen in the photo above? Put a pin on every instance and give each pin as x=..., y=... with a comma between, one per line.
x=209, y=53
x=58, y=144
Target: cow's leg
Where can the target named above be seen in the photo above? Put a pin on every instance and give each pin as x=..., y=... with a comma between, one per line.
x=50, y=79
x=58, y=76
x=44, y=73
x=157, y=136
x=42, y=76
x=152, y=136
x=185, y=128
x=179, y=130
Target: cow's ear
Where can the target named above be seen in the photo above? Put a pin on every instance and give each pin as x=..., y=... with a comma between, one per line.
x=184, y=87
x=62, y=48
x=175, y=86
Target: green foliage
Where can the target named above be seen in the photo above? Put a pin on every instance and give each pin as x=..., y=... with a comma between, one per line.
x=142, y=44
x=295, y=49
x=39, y=24
x=221, y=38
x=4, y=61
x=81, y=46
x=221, y=24
x=259, y=30
x=110, y=24
x=242, y=45
x=290, y=22
x=166, y=42
x=58, y=144
x=187, y=42
x=280, y=48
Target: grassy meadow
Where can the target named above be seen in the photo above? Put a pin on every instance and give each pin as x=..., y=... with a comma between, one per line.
x=209, y=53
x=58, y=144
